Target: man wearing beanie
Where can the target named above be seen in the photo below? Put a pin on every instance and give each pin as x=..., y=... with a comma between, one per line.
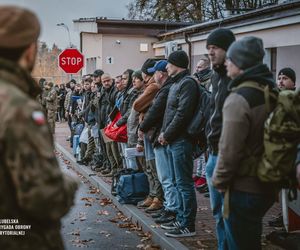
x=286, y=79
x=244, y=115
x=217, y=44
x=33, y=190
x=154, y=201
x=181, y=103
x=153, y=122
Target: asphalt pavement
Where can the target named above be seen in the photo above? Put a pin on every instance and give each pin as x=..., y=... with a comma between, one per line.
x=95, y=223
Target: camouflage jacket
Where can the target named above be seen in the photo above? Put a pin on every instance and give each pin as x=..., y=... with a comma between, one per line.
x=33, y=189
x=51, y=100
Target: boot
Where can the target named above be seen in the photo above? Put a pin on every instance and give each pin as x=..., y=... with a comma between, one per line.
x=110, y=174
x=155, y=205
x=145, y=203
x=106, y=171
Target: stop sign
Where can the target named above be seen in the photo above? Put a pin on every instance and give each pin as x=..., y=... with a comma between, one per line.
x=70, y=61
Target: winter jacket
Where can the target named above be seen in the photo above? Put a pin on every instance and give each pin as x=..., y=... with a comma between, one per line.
x=132, y=125
x=126, y=105
x=143, y=102
x=103, y=104
x=154, y=117
x=181, y=104
x=244, y=115
x=219, y=82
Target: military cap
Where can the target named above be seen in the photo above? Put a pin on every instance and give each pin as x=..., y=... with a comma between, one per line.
x=19, y=27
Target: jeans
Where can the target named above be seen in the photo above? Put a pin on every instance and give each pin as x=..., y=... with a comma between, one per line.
x=181, y=161
x=244, y=224
x=166, y=177
x=216, y=202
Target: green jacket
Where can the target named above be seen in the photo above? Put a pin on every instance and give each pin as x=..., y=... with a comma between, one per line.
x=33, y=189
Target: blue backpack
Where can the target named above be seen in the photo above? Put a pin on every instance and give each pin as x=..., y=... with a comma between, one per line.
x=132, y=188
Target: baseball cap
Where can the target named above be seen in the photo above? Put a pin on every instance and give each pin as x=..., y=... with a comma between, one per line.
x=159, y=66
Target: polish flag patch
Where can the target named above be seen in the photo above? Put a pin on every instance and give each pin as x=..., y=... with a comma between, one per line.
x=39, y=117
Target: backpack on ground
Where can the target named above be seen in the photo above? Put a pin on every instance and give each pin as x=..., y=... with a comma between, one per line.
x=132, y=187
x=281, y=138
x=196, y=128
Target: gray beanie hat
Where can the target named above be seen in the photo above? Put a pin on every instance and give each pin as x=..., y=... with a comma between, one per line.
x=246, y=52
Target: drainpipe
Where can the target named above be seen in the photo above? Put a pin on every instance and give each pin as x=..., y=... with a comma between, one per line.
x=187, y=40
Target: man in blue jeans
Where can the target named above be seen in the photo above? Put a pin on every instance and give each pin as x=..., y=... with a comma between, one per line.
x=217, y=44
x=247, y=199
x=181, y=104
x=153, y=122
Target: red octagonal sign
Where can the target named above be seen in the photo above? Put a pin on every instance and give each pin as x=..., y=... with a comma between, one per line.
x=70, y=61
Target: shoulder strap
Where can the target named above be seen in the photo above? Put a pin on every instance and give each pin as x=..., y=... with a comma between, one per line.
x=265, y=89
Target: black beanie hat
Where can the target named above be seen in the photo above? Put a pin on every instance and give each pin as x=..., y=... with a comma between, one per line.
x=290, y=73
x=179, y=58
x=221, y=38
x=246, y=52
x=149, y=63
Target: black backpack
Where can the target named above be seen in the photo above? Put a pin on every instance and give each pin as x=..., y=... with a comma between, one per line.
x=196, y=128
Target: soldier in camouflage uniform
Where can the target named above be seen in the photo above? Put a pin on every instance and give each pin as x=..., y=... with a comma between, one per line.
x=51, y=105
x=44, y=94
x=33, y=189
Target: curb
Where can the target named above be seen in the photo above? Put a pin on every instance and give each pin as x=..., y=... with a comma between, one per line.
x=130, y=211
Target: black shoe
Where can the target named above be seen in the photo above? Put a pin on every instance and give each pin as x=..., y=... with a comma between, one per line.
x=171, y=225
x=158, y=214
x=181, y=232
x=206, y=195
x=203, y=188
x=166, y=217
x=276, y=222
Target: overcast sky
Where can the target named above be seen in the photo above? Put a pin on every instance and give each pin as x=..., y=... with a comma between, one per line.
x=51, y=12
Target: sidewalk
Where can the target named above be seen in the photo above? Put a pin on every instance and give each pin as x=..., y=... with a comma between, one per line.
x=205, y=224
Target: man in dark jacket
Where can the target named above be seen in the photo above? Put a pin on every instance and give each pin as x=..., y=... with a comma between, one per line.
x=181, y=103
x=244, y=115
x=217, y=44
x=153, y=122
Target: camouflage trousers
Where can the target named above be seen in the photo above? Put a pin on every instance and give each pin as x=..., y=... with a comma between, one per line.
x=51, y=116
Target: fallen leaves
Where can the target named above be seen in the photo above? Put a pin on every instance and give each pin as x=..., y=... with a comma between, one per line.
x=102, y=212
x=82, y=216
x=147, y=247
x=201, y=245
x=105, y=202
x=77, y=242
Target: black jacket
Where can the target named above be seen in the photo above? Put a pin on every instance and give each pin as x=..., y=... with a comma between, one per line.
x=104, y=105
x=125, y=108
x=154, y=117
x=181, y=105
x=220, y=91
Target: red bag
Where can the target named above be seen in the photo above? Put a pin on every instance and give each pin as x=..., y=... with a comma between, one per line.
x=118, y=134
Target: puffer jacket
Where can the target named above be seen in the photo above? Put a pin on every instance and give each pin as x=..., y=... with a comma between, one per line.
x=181, y=105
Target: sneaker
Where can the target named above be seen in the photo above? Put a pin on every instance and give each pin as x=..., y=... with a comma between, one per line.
x=156, y=205
x=166, y=217
x=145, y=203
x=203, y=188
x=158, y=214
x=171, y=225
x=181, y=232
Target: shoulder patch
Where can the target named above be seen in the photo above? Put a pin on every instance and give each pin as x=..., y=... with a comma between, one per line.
x=38, y=117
